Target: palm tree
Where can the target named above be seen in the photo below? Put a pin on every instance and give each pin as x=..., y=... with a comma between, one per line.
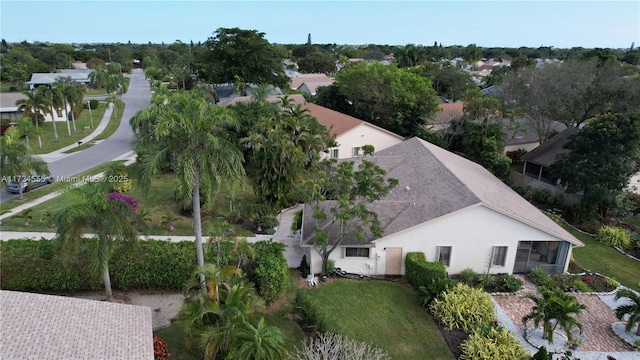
x=632, y=309
x=112, y=219
x=71, y=95
x=16, y=159
x=47, y=218
x=260, y=342
x=191, y=134
x=53, y=100
x=34, y=107
x=169, y=221
x=98, y=78
x=25, y=215
x=25, y=125
x=554, y=308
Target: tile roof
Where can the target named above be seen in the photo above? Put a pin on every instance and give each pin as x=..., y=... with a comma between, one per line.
x=36, y=326
x=546, y=153
x=448, y=112
x=339, y=123
x=298, y=79
x=8, y=100
x=313, y=85
x=298, y=99
x=434, y=182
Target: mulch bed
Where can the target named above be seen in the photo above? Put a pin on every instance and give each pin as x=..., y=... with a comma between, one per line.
x=453, y=338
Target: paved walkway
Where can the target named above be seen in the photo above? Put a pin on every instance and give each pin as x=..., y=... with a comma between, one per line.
x=598, y=339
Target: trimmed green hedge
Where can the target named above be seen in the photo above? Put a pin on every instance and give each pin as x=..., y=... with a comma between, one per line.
x=420, y=272
x=34, y=265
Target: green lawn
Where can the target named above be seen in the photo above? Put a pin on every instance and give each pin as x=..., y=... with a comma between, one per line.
x=112, y=126
x=48, y=139
x=606, y=260
x=158, y=202
x=384, y=314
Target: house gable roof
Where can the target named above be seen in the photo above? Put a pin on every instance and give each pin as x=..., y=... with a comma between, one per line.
x=339, y=123
x=8, y=101
x=297, y=99
x=299, y=79
x=434, y=182
x=546, y=153
x=36, y=326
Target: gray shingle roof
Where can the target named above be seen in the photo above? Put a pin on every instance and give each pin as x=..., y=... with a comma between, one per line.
x=36, y=326
x=434, y=182
x=546, y=153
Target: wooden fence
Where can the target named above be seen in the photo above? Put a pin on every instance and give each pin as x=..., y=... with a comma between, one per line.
x=522, y=180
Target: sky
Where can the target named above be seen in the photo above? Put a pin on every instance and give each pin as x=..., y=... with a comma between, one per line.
x=515, y=23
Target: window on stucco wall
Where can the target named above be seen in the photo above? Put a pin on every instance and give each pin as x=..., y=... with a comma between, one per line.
x=499, y=256
x=356, y=252
x=444, y=255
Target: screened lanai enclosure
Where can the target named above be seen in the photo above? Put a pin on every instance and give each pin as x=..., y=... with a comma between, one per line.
x=549, y=255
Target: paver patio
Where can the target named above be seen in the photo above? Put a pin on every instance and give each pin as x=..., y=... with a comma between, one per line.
x=597, y=320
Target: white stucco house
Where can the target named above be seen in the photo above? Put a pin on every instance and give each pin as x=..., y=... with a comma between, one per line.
x=351, y=133
x=452, y=210
x=9, y=109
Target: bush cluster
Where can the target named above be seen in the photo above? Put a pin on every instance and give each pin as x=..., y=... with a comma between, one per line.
x=489, y=343
x=491, y=282
x=614, y=236
x=430, y=278
x=463, y=308
x=34, y=265
x=310, y=315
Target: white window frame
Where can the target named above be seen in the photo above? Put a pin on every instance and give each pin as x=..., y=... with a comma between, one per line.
x=499, y=253
x=356, y=151
x=334, y=153
x=358, y=254
x=447, y=261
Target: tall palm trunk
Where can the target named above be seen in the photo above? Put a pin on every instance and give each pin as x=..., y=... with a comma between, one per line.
x=38, y=131
x=197, y=225
x=53, y=121
x=66, y=117
x=73, y=118
x=107, y=279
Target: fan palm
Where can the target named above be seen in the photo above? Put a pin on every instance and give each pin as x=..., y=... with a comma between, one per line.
x=632, y=309
x=555, y=308
x=189, y=133
x=112, y=220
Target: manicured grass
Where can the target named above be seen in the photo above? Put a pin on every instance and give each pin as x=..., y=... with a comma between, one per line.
x=48, y=139
x=178, y=349
x=606, y=260
x=384, y=314
x=95, y=92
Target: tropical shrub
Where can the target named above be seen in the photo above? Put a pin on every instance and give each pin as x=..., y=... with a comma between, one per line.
x=492, y=343
x=632, y=309
x=463, y=308
x=614, y=236
x=419, y=272
x=468, y=276
x=309, y=313
x=540, y=277
x=269, y=271
x=160, y=349
x=513, y=284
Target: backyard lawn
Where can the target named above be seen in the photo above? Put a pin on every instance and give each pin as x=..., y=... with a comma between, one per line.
x=385, y=314
x=606, y=260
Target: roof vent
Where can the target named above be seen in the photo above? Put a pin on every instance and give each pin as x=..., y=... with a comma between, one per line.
x=407, y=188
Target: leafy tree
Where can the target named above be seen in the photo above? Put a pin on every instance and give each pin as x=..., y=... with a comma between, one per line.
x=260, y=342
x=281, y=149
x=111, y=216
x=17, y=160
x=367, y=89
x=96, y=63
x=317, y=62
x=632, y=309
x=601, y=159
x=448, y=81
x=553, y=308
x=410, y=55
x=191, y=134
x=472, y=53
x=245, y=54
x=338, y=195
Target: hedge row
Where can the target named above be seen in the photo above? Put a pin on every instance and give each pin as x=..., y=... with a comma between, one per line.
x=420, y=272
x=36, y=265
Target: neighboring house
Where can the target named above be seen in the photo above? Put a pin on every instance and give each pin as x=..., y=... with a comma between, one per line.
x=447, y=113
x=351, y=133
x=538, y=160
x=79, y=76
x=524, y=137
x=310, y=81
x=9, y=109
x=36, y=326
x=452, y=210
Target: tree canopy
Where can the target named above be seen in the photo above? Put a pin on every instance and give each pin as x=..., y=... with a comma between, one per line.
x=234, y=53
x=395, y=99
x=601, y=159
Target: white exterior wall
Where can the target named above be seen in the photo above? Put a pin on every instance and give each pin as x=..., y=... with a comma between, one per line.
x=47, y=116
x=361, y=135
x=472, y=233
x=634, y=184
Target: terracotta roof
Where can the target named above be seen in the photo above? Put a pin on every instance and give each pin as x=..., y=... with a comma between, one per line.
x=313, y=85
x=434, y=182
x=298, y=79
x=339, y=123
x=448, y=112
x=546, y=153
x=36, y=326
